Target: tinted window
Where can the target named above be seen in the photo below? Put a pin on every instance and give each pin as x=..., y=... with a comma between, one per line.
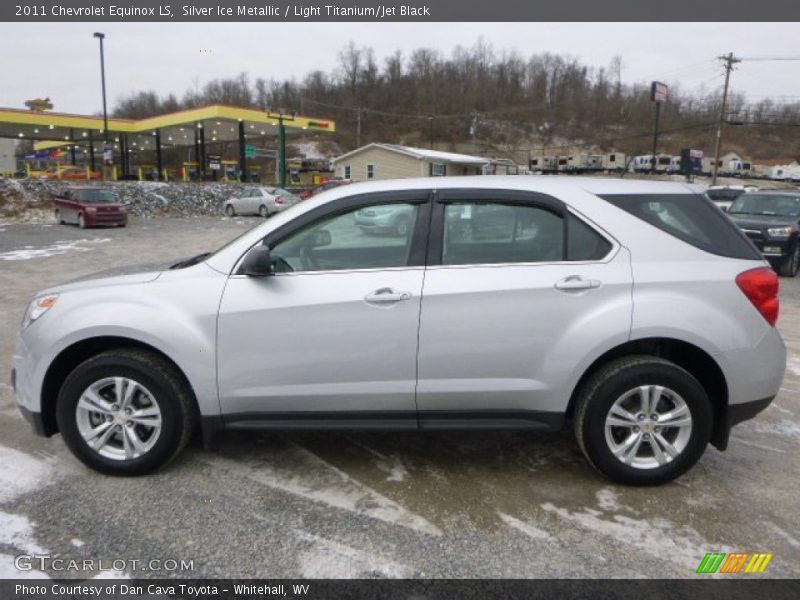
x=98, y=196
x=584, y=243
x=372, y=237
x=767, y=204
x=486, y=233
x=691, y=218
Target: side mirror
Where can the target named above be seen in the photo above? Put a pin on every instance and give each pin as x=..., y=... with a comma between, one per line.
x=257, y=263
x=322, y=237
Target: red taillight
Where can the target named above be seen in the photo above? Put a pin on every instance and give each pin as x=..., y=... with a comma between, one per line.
x=278, y=200
x=761, y=288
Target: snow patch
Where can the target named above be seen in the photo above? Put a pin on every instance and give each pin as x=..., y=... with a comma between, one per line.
x=793, y=364
x=17, y=531
x=327, y=559
x=77, y=543
x=658, y=537
x=298, y=471
x=29, y=252
x=21, y=473
x=607, y=500
x=784, y=428
x=524, y=527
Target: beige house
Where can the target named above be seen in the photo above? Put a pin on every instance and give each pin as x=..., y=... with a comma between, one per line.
x=388, y=161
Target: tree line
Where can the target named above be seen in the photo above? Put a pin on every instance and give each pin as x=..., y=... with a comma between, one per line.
x=495, y=102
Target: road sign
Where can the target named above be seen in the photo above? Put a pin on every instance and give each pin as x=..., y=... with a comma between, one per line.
x=658, y=92
x=249, y=151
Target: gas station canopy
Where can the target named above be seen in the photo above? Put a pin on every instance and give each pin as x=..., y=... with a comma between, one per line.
x=220, y=122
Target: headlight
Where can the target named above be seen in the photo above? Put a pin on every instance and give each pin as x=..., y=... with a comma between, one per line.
x=37, y=308
x=780, y=232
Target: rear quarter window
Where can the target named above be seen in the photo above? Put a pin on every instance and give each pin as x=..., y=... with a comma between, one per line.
x=691, y=218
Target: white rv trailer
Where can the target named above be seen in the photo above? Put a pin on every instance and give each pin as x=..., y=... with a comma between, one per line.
x=544, y=164
x=614, y=162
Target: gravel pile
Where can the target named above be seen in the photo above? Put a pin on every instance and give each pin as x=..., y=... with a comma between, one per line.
x=23, y=198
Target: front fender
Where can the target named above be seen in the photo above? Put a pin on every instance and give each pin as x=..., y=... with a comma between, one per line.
x=174, y=316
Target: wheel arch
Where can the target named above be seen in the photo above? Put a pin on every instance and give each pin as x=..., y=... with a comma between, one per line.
x=690, y=357
x=73, y=355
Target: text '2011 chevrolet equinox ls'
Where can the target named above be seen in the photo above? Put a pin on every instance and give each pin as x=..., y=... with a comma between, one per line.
x=635, y=310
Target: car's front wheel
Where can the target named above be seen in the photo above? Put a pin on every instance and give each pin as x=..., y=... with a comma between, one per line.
x=791, y=264
x=642, y=420
x=125, y=412
x=81, y=221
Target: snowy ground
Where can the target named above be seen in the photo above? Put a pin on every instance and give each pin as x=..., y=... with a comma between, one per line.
x=375, y=504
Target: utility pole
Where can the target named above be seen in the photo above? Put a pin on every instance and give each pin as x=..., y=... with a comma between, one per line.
x=729, y=60
x=430, y=122
x=358, y=127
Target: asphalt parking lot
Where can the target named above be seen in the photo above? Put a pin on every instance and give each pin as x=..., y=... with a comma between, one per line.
x=489, y=505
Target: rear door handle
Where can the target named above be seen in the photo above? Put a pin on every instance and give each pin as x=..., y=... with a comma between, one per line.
x=575, y=283
x=386, y=296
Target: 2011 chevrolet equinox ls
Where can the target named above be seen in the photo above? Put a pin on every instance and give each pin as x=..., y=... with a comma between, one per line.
x=635, y=310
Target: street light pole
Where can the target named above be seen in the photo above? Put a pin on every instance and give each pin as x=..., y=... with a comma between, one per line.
x=107, y=166
x=101, y=36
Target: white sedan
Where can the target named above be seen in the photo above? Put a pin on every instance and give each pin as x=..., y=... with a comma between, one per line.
x=264, y=201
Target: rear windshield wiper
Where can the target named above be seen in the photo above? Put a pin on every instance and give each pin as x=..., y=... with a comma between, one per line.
x=190, y=261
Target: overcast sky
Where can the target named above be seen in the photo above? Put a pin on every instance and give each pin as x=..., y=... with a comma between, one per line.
x=61, y=60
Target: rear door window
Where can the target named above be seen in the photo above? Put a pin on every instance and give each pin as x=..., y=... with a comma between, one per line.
x=691, y=218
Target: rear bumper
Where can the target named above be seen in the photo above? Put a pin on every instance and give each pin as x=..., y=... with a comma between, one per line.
x=106, y=219
x=735, y=414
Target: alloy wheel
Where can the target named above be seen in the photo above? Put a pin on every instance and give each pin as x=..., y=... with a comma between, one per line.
x=648, y=427
x=118, y=418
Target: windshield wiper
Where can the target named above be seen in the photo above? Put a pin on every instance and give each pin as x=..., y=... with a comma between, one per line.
x=190, y=261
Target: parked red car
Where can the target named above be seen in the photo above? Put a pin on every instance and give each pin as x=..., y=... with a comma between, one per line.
x=331, y=183
x=89, y=207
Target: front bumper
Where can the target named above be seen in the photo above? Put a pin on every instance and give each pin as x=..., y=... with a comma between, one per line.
x=773, y=248
x=34, y=418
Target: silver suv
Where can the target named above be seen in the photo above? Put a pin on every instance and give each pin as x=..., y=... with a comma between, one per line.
x=634, y=310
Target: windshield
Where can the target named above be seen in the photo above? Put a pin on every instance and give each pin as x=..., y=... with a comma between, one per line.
x=764, y=204
x=96, y=196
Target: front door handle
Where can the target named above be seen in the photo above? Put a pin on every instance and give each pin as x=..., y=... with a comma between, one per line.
x=576, y=283
x=386, y=296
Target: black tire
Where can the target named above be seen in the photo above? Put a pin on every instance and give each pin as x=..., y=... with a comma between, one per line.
x=791, y=264
x=151, y=371
x=263, y=211
x=230, y=211
x=597, y=396
x=81, y=221
x=59, y=220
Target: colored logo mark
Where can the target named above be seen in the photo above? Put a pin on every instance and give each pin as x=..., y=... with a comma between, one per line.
x=734, y=562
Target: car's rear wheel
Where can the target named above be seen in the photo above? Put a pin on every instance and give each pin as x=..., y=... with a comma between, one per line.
x=791, y=264
x=125, y=412
x=81, y=221
x=642, y=420
x=262, y=210
x=230, y=211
